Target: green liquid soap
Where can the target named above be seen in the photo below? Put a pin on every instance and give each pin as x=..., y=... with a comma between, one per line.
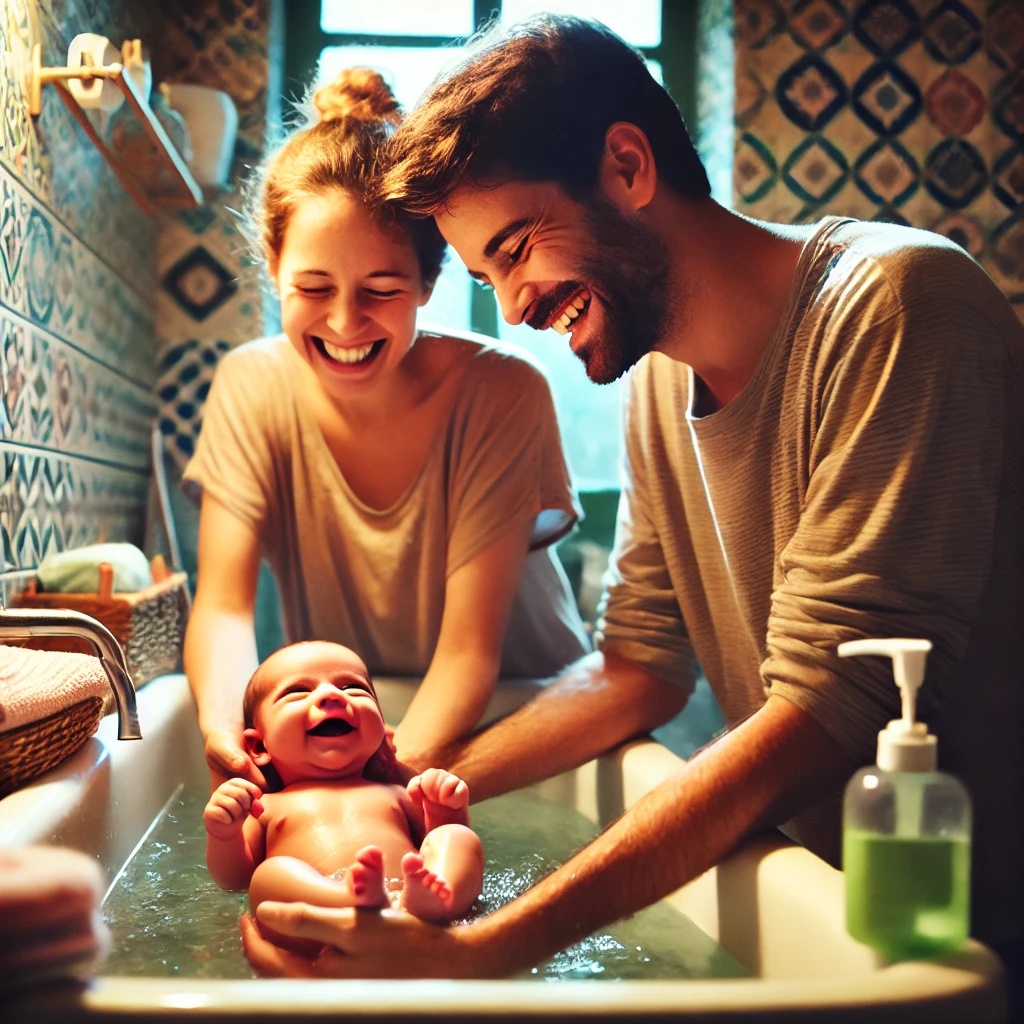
x=907, y=897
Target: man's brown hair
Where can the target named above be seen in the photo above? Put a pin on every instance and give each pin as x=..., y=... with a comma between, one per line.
x=534, y=103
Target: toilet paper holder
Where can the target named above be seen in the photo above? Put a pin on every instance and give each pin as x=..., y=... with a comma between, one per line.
x=190, y=194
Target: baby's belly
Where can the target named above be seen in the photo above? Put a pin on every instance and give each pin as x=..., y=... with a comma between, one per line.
x=330, y=850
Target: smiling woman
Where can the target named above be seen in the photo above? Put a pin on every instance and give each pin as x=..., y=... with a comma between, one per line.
x=405, y=487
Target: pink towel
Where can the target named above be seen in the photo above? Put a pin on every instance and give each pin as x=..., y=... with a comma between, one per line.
x=36, y=684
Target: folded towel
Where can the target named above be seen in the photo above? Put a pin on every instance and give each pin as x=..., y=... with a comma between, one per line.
x=77, y=570
x=37, y=684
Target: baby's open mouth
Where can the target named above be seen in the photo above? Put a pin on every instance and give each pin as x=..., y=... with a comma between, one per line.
x=331, y=727
x=352, y=356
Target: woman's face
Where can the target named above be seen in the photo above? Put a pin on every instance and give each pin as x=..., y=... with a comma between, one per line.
x=349, y=291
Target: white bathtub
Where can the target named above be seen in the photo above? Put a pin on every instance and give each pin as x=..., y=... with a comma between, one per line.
x=775, y=907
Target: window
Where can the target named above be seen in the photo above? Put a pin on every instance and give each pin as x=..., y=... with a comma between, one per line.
x=410, y=42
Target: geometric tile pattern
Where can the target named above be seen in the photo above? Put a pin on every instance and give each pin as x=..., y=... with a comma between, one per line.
x=210, y=295
x=77, y=288
x=53, y=279
x=199, y=284
x=54, y=502
x=903, y=110
x=52, y=156
x=186, y=374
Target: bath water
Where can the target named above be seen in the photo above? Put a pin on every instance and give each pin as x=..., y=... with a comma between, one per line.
x=168, y=918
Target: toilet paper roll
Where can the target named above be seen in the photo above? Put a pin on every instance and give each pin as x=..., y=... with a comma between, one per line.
x=94, y=51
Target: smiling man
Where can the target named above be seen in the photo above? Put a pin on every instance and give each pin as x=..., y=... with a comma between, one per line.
x=824, y=431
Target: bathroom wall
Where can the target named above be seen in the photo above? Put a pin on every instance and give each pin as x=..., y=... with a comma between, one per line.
x=209, y=297
x=77, y=285
x=902, y=110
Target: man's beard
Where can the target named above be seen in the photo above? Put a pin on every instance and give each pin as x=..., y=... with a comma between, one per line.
x=628, y=266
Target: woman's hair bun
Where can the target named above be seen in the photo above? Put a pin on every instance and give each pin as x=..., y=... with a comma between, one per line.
x=359, y=93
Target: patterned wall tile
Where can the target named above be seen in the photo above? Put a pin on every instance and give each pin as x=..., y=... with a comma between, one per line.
x=915, y=114
x=210, y=296
x=56, y=397
x=52, y=156
x=52, y=503
x=53, y=279
x=77, y=281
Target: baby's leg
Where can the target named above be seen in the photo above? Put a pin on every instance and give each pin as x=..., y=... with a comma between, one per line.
x=445, y=877
x=291, y=880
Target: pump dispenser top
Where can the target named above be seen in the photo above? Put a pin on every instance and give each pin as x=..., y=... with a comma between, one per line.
x=904, y=745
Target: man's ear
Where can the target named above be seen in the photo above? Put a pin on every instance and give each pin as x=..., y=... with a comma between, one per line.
x=255, y=747
x=627, y=174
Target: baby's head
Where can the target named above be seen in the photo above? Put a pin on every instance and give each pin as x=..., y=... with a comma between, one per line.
x=311, y=710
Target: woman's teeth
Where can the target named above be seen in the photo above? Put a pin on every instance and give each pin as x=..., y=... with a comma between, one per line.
x=348, y=355
x=570, y=312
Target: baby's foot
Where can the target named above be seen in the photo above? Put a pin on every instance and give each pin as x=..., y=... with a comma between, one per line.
x=366, y=878
x=425, y=894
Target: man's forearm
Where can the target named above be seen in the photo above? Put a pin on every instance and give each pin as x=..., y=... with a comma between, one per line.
x=595, y=704
x=775, y=764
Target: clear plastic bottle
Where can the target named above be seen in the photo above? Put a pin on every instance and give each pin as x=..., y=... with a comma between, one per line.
x=906, y=831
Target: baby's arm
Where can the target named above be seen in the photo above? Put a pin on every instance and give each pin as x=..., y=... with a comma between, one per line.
x=235, y=842
x=441, y=797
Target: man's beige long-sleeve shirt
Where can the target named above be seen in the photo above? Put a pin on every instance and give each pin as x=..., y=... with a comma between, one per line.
x=868, y=482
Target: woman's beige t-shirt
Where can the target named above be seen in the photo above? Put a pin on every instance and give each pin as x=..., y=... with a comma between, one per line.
x=375, y=579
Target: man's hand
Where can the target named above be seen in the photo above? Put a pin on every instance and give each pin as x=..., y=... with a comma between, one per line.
x=231, y=803
x=443, y=796
x=362, y=944
x=227, y=758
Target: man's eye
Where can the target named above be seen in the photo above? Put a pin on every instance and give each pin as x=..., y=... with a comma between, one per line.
x=314, y=291
x=385, y=294
x=517, y=253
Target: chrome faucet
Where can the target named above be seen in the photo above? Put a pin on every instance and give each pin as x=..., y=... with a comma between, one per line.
x=24, y=623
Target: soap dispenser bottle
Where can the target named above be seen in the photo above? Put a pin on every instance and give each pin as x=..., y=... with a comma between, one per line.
x=906, y=830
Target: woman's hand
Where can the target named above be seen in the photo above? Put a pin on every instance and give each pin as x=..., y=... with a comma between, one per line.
x=49, y=913
x=227, y=758
x=362, y=944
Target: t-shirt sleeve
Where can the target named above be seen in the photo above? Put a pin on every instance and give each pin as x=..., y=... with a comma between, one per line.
x=896, y=534
x=233, y=459
x=507, y=464
x=639, y=617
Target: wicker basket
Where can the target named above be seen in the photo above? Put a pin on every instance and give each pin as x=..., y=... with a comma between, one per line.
x=37, y=747
x=149, y=624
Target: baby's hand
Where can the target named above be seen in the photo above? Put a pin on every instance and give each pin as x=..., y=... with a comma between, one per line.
x=231, y=802
x=437, y=786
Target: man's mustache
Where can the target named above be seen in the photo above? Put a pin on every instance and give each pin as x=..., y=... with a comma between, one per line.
x=549, y=304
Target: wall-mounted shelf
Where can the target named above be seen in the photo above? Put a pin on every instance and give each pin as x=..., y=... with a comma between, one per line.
x=189, y=193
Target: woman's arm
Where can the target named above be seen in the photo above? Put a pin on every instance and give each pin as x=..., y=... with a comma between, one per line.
x=220, y=643
x=464, y=669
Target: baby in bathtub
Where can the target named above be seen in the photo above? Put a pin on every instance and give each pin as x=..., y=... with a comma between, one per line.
x=332, y=837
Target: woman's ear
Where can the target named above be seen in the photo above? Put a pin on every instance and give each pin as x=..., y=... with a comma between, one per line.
x=255, y=747
x=627, y=174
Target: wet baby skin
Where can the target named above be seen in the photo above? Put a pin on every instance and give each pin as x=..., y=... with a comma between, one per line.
x=331, y=837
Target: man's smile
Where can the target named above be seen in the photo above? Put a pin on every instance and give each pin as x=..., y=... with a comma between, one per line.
x=577, y=306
